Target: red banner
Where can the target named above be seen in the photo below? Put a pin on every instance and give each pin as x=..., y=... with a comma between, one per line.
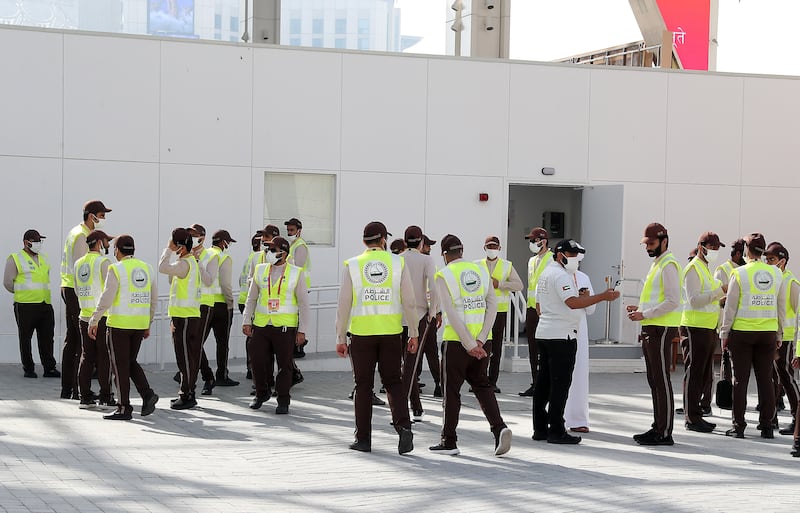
x=688, y=20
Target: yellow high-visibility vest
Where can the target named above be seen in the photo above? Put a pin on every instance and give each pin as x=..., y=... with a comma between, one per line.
x=536, y=266
x=184, y=293
x=467, y=284
x=131, y=307
x=790, y=320
x=501, y=272
x=277, y=302
x=653, y=292
x=209, y=293
x=32, y=284
x=377, y=306
x=244, y=277
x=307, y=266
x=758, y=297
x=89, y=281
x=67, y=265
x=707, y=316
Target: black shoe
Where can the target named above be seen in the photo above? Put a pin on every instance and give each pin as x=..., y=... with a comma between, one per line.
x=299, y=352
x=361, y=446
x=680, y=411
x=107, y=402
x=706, y=411
x=657, y=440
x=282, y=409
x=502, y=442
x=274, y=393
x=183, y=403
x=377, y=401
x=767, y=433
x=448, y=450
x=780, y=406
x=249, y=374
x=417, y=415
x=30, y=374
x=788, y=430
x=795, y=449
x=119, y=415
x=700, y=427
x=406, y=443
x=177, y=377
x=650, y=432
x=775, y=424
x=149, y=404
x=208, y=386
x=297, y=377
x=75, y=395
x=421, y=385
x=52, y=373
x=735, y=433
x=437, y=390
x=563, y=438
x=496, y=389
x=226, y=382
x=87, y=404
x=352, y=392
x=258, y=401
x=527, y=393
x=539, y=436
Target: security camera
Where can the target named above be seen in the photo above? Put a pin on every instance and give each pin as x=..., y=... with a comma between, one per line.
x=490, y=4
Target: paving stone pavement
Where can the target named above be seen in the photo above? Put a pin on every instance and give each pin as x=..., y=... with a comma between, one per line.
x=222, y=456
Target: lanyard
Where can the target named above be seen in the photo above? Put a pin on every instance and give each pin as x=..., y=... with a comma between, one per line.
x=269, y=284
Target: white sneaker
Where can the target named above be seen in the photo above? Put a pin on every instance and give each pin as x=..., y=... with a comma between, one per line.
x=502, y=442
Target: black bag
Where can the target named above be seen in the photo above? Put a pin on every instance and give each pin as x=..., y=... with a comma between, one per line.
x=724, y=385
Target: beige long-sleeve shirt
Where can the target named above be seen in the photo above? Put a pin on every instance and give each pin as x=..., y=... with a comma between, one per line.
x=300, y=292
x=225, y=276
x=110, y=292
x=177, y=269
x=732, y=306
x=457, y=323
x=422, y=271
x=346, y=302
x=512, y=284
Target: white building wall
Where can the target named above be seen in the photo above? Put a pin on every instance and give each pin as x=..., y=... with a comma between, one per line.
x=170, y=133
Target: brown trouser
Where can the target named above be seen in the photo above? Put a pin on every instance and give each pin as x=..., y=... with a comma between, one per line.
x=783, y=366
x=657, y=348
x=123, y=345
x=698, y=359
x=531, y=322
x=756, y=350
x=431, y=350
x=94, y=352
x=498, y=330
x=219, y=319
x=267, y=343
x=387, y=352
x=413, y=362
x=186, y=341
x=38, y=317
x=458, y=366
x=72, y=341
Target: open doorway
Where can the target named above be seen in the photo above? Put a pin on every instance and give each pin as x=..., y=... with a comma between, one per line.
x=592, y=215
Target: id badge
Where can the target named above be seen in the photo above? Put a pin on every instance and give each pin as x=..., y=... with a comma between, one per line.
x=273, y=305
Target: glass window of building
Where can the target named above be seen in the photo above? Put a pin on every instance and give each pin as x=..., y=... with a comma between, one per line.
x=310, y=197
x=341, y=25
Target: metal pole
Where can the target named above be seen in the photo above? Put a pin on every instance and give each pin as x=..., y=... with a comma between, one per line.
x=607, y=339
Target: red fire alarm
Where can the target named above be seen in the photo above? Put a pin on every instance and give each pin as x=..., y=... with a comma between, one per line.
x=483, y=196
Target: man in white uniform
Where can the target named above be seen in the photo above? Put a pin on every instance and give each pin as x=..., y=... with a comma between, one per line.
x=576, y=413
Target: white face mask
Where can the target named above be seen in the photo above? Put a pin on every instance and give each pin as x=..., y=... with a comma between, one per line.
x=195, y=242
x=572, y=264
x=536, y=247
x=712, y=255
x=36, y=246
x=291, y=238
x=99, y=222
x=271, y=258
x=492, y=253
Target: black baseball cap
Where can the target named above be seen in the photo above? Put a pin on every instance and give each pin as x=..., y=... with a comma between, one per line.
x=294, y=222
x=197, y=230
x=279, y=243
x=124, y=242
x=95, y=207
x=568, y=246
x=222, y=235
x=270, y=230
x=32, y=235
x=374, y=231
x=451, y=243
x=97, y=235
